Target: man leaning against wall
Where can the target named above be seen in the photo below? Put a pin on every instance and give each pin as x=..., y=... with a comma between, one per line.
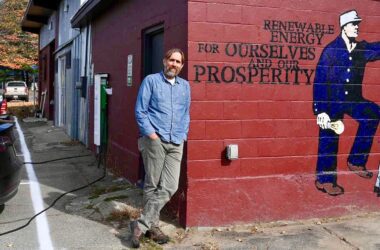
x=162, y=114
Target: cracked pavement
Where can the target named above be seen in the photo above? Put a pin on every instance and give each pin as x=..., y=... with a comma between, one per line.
x=97, y=217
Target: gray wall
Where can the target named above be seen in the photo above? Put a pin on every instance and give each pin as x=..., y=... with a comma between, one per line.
x=47, y=32
x=66, y=33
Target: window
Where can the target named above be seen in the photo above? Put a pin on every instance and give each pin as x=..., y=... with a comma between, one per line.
x=44, y=66
x=68, y=60
x=16, y=84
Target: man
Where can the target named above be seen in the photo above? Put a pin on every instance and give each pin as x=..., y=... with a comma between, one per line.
x=338, y=91
x=162, y=114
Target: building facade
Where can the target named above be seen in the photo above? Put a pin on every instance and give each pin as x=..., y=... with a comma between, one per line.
x=62, y=64
x=252, y=67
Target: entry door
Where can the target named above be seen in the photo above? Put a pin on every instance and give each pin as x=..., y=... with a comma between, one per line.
x=152, y=57
x=153, y=49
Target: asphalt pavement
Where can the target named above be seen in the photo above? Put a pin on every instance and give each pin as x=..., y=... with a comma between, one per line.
x=97, y=217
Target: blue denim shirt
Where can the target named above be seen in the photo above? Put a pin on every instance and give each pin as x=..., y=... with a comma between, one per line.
x=339, y=75
x=164, y=108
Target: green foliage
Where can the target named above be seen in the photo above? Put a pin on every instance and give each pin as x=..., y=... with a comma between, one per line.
x=119, y=197
x=18, y=49
x=4, y=73
x=97, y=191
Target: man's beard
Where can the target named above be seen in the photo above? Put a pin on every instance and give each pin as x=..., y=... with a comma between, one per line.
x=170, y=73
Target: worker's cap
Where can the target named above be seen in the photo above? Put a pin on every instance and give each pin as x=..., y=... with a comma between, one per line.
x=349, y=17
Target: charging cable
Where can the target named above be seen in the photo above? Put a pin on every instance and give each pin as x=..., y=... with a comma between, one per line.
x=59, y=197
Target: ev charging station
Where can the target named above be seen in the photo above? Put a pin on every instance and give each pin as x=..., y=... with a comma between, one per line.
x=101, y=90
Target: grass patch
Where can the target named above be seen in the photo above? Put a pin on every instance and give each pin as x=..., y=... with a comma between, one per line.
x=150, y=244
x=97, y=191
x=119, y=197
x=93, y=197
x=20, y=109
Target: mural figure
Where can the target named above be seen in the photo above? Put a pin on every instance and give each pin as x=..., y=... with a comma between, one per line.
x=338, y=91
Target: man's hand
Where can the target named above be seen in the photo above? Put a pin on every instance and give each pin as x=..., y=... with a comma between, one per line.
x=153, y=136
x=322, y=120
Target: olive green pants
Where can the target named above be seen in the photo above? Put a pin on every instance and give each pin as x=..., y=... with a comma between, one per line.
x=162, y=164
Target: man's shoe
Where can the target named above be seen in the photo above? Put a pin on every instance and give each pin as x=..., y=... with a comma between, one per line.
x=136, y=234
x=360, y=170
x=157, y=235
x=329, y=188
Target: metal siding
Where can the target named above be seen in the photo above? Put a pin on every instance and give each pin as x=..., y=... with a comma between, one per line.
x=83, y=70
x=69, y=41
x=76, y=78
x=68, y=101
x=80, y=112
x=65, y=31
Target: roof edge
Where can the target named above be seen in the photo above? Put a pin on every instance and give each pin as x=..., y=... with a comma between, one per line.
x=33, y=22
x=88, y=11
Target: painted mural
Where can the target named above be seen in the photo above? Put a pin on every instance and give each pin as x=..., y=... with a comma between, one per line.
x=338, y=91
x=288, y=58
x=271, y=63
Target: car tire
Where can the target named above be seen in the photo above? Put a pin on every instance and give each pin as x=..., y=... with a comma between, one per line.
x=27, y=99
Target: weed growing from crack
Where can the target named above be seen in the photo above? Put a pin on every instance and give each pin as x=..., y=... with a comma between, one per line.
x=119, y=197
x=97, y=191
x=151, y=245
x=93, y=197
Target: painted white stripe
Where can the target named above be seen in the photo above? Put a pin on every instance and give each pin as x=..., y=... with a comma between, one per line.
x=43, y=231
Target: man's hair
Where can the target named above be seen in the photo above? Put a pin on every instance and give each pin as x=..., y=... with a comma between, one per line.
x=170, y=52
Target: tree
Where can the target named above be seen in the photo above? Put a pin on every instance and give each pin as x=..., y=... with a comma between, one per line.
x=18, y=49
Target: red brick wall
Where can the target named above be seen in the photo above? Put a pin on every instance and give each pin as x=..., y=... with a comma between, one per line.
x=271, y=121
x=117, y=33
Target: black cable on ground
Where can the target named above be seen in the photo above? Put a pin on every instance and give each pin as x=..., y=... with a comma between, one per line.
x=59, y=197
x=103, y=151
x=65, y=158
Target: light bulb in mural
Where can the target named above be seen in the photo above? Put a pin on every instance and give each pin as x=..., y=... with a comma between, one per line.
x=337, y=127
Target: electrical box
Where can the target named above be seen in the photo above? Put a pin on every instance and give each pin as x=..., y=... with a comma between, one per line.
x=232, y=152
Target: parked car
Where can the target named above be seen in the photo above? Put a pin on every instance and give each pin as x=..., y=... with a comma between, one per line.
x=10, y=165
x=16, y=90
x=3, y=107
